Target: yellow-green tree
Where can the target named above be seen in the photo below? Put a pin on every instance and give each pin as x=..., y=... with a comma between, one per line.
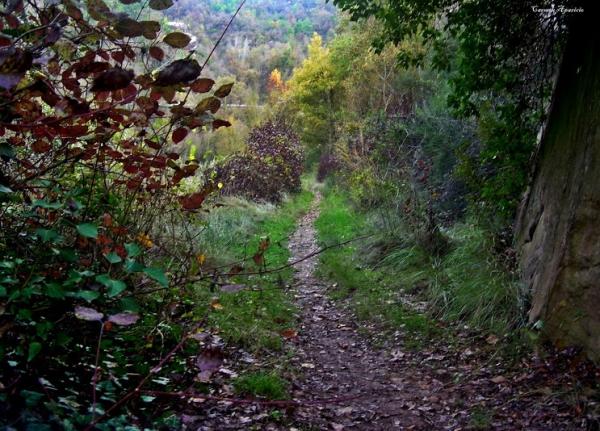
x=310, y=96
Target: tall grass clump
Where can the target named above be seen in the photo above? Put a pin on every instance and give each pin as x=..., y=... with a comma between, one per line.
x=471, y=286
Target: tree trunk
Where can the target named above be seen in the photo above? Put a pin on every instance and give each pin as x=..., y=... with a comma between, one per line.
x=558, y=228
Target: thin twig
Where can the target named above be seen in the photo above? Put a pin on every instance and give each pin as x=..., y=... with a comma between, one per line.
x=277, y=403
x=142, y=382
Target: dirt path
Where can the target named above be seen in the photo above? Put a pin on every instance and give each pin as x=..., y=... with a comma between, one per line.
x=439, y=387
x=344, y=381
x=338, y=363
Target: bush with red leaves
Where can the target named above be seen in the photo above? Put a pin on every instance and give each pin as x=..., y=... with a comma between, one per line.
x=271, y=165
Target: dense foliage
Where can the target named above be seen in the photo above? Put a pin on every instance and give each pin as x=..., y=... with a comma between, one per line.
x=92, y=115
x=271, y=165
x=502, y=56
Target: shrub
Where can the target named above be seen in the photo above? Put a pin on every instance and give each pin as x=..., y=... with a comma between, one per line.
x=271, y=165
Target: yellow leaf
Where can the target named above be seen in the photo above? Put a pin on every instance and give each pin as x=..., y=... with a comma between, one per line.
x=201, y=258
x=215, y=304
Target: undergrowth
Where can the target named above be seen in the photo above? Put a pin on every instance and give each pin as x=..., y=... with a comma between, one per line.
x=374, y=292
x=254, y=316
x=260, y=384
x=466, y=285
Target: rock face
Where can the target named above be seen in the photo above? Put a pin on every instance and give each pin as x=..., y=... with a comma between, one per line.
x=558, y=229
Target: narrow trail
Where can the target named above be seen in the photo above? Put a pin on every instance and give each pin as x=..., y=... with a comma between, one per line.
x=344, y=378
x=375, y=392
x=446, y=384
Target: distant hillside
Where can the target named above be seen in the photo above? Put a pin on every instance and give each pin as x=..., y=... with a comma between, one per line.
x=267, y=34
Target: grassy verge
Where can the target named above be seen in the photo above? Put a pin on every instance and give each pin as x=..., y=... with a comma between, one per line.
x=374, y=293
x=254, y=317
x=466, y=285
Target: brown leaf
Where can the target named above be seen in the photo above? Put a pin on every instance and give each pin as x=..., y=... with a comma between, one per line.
x=160, y=4
x=224, y=90
x=178, y=72
x=124, y=319
x=113, y=79
x=218, y=123
x=179, y=134
x=40, y=146
x=192, y=201
x=288, y=334
x=156, y=53
x=150, y=29
x=177, y=39
x=202, y=85
x=89, y=314
x=211, y=104
x=498, y=379
x=128, y=27
x=209, y=360
x=259, y=259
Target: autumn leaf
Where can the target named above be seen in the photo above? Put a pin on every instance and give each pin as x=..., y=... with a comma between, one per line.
x=224, y=90
x=124, y=319
x=258, y=259
x=150, y=29
x=113, y=79
x=178, y=72
x=89, y=314
x=160, y=4
x=156, y=53
x=288, y=334
x=192, y=201
x=177, y=39
x=215, y=304
x=179, y=134
x=218, y=123
x=128, y=27
x=202, y=85
x=211, y=104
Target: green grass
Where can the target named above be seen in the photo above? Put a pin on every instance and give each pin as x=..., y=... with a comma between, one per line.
x=470, y=286
x=467, y=285
x=260, y=384
x=254, y=317
x=374, y=293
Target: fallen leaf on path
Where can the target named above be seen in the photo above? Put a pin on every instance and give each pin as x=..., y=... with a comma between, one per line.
x=232, y=288
x=498, y=379
x=289, y=334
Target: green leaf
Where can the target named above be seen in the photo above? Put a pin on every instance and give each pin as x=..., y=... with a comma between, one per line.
x=55, y=290
x=7, y=151
x=177, y=39
x=47, y=235
x=133, y=266
x=45, y=204
x=113, y=257
x=129, y=304
x=133, y=250
x=31, y=398
x=114, y=286
x=88, y=295
x=88, y=230
x=158, y=275
x=34, y=348
x=4, y=189
x=3, y=291
x=68, y=254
